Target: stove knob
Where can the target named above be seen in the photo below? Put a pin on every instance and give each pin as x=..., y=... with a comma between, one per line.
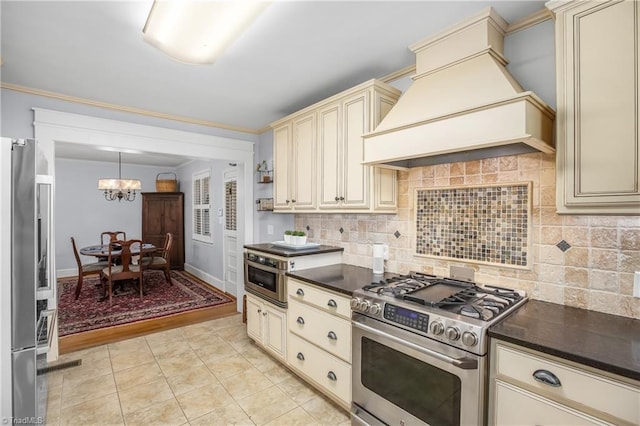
x=374, y=309
x=453, y=333
x=469, y=338
x=364, y=306
x=355, y=302
x=436, y=328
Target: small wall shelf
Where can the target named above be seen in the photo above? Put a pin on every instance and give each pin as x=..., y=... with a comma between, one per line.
x=265, y=176
x=264, y=204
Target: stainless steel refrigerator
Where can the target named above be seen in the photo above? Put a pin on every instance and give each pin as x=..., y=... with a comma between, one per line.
x=31, y=321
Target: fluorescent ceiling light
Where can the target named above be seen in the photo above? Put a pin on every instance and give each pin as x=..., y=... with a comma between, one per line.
x=197, y=32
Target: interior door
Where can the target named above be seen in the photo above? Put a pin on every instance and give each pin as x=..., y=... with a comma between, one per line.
x=230, y=232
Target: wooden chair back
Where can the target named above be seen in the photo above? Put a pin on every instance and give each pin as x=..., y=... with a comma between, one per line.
x=86, y=269
x=125, y=270
x=112, y=236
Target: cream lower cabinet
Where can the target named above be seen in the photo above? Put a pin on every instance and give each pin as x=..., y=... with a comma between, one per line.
x=318, y=154
x=598, y=95
x=319, y=339
x=530, y=388
x=267, y=325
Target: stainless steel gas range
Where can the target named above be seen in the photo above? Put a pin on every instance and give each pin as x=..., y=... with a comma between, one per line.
x=420, y=349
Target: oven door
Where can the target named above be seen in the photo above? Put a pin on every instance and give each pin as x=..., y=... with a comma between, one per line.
x=401, y=378
x=265, y=282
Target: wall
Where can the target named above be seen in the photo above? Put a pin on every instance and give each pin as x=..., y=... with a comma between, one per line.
x=82, y=212
x=269, y=226
x=206, y=258
x=595, y=273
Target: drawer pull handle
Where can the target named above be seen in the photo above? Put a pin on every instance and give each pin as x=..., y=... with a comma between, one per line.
x=300, y=356
x=547, y=377
x=332, y=303
x=332, y=336
x=264, y=314
x=300, y=320
x=300, y=292
x=259, y=310
x=332, y=376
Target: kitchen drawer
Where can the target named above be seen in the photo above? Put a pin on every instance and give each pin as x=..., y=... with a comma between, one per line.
x=329, y=372
x=329, y=332
x=516, y=406
x=322, y=299
x=581, y=389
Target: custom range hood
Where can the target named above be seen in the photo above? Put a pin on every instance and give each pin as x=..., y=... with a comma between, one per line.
x=463, y=104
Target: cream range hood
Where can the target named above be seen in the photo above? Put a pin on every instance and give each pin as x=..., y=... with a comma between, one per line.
x=463, y=103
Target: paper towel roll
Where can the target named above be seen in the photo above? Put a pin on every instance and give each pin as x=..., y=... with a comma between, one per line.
x=378, y=258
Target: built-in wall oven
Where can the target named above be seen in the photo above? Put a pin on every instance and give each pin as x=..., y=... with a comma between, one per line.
x=420, y=347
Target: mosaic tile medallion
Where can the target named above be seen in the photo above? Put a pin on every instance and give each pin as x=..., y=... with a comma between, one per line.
x=481, y=224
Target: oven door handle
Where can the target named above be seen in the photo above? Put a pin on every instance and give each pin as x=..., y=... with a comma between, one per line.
x=463, y=363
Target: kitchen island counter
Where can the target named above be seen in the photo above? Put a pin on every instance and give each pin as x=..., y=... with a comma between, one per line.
x=341, y=278
x=288, y=252
x=607, y=342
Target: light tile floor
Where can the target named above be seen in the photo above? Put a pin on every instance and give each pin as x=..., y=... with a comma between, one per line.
x=203, y=374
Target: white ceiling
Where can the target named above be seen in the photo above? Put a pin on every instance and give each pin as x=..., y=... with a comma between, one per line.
x=295, y=54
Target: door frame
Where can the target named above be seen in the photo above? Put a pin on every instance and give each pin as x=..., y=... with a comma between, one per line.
x=55, y=126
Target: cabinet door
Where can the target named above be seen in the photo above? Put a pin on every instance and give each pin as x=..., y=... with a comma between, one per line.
x=283, y=167
x=598, y=107
x=254, y=318
x=357, y=177
x=385, y=181
x=330, y=149
x=304, y=149
x=275, y=331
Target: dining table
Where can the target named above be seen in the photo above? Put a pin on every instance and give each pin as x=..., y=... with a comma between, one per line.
x=102, y=250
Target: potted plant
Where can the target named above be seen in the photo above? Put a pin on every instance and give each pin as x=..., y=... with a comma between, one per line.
x=300, y=238
x=288, y=237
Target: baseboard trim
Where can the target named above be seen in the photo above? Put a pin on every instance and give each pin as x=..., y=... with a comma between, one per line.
x=207, y=278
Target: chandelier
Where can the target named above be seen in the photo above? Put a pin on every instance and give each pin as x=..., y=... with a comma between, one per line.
x=119, y=189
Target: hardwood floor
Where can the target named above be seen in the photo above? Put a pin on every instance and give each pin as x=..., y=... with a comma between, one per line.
x=88, y=339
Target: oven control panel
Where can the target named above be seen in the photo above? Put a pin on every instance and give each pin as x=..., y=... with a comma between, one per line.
x=406, y=317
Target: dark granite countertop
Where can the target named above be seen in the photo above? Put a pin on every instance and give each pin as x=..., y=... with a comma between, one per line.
x=286, y=252
x=606, y=342
x=341, y=278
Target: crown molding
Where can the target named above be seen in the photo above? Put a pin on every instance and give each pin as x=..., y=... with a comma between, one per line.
x=54, y=95
x=530, y=20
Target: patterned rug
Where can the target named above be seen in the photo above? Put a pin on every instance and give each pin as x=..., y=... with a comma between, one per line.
x=89, y=312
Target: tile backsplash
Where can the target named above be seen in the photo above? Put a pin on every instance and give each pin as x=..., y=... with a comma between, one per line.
x=582, y=261
x=486, y=224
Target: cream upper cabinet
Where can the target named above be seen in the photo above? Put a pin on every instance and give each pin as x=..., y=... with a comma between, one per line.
x=531, y=388
x=343, y=183
x=294, y=153
x=283, y=157
x=598, y=89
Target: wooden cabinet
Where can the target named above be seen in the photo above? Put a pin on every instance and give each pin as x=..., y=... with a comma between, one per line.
x=319, y=339
x=598, y=90
x=267, y=325
x=527, y=387
x=318, y=154
x=294, y=161
x=163, y=212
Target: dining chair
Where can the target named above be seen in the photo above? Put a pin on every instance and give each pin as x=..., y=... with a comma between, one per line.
x=94, y=268
x=161, y=258
x=112, y=236
x=125, y=270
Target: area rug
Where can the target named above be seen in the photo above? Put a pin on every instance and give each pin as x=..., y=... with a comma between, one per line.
x=90, y=312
